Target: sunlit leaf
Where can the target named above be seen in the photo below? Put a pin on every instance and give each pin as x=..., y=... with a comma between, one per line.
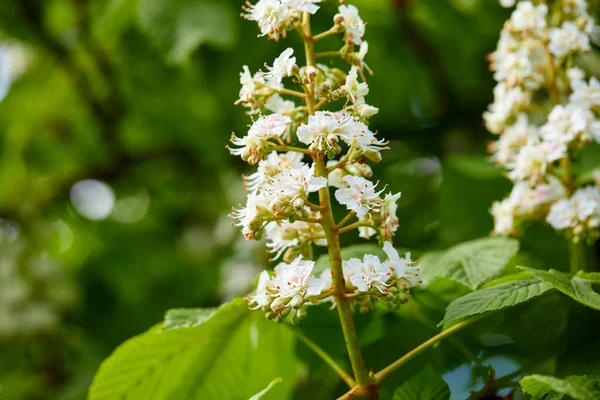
x=577, y=387
x=471, y=263
x=576, y=287
x=495, y=298
x=229, y=353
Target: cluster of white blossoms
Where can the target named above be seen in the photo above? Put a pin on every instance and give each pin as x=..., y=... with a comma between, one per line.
x=302, y=149
x=291, y=286
x=544, y=111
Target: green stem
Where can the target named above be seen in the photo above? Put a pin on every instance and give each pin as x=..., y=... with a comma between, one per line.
x=577, y=256
x=354, y=225
x=335, y=260
x=359, y=369
x=291, y=93
x=328, y=54
x=327, y=358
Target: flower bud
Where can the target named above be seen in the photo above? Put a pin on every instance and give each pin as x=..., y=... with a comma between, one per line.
x=327, y=86
x=255, y=224
x=294, y=70
x=303, y=213
x=297, y=302
x=289, y=234
x=299, y=204
x=301, y=314
x=310, y=73
x=270, y=315
x=342, y=91
x=338, y=19
x=294, y=320
x=373, y=156
x=276, y=204
x=285, y=312
x=294, y=16
x=334, y=96
x=332, y=139
x=278, y=304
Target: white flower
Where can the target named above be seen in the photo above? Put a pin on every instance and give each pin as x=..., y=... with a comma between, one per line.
x=368, y=273
x=503, y=213
x=529, y=17
x=295, y=280
x=263, y=296
x=582, y=207
x=275, y=17
x=585, y=94
x=566, y=124
x=356, y=90
x=249, y=216
x=362, y=138
x=402, y=267
x=271, y=16
x=360, y=196
x=278, y=105
x=532, y=160
x=283, y=235
x=283, y=66
x=567, y=39
x=512, y=139
x=507, y=103
x=528, y=200
x=304, y=5
x=580, y=213
x=250, y=85
x=507, y=3
x=366, y=232
x=297, y=182
x=324, y=128
x=354, y=25
x=252, y=146
x=271, y=166
x=362, y=54
x=336, y=177
x=575, y=7
x=576, y=76
x=388, y=210
x=365, y=111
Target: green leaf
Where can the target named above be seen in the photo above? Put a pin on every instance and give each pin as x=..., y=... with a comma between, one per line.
x=593, y=277
x=577, y=387
x=495, y=298
x=262, y=393
x=224, y=353
x=471, y=263
x=179, y=27
x=187, y=317
x=577, y=288
x=426, y=385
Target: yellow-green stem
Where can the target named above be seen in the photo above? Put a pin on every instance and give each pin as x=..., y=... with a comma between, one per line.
x=335, y=261
x=577, y=256
x=359, y=369
x=328, y=360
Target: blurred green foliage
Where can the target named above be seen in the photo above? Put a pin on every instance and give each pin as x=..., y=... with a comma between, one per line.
x=139, y=94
